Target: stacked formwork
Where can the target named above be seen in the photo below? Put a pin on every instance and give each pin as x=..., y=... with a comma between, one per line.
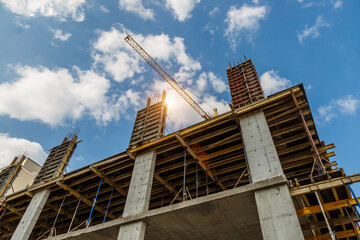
x=150, y=122
x=57, y=160
x=244, y=84
x=9, y=173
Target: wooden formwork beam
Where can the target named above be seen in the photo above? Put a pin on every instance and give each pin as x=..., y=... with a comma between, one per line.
x=339, y=234
x=327, y=207
x=319, y=186
x=108, y=181
x=83, y=198
x=200, y=162
x=9, y=207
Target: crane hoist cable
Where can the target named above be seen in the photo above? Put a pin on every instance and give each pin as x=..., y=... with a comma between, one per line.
x=167, y=77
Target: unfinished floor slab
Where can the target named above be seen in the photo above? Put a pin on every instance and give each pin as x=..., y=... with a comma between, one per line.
x=231, y=214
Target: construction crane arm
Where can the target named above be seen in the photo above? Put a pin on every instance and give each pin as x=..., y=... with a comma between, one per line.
x=166, y=76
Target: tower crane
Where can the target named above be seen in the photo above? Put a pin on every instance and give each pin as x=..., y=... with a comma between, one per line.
x=167, y=77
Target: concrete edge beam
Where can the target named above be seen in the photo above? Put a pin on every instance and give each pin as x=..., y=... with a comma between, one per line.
x=253, y=187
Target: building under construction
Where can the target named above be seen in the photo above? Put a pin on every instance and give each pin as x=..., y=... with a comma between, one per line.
x=258, y=171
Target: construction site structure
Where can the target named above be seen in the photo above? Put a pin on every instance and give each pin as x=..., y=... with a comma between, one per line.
x=258, y=171
x=20, y=174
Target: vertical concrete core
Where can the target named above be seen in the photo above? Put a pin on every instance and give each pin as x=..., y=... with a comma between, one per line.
x=31, y=215
x=276, y=211
x=138, y=197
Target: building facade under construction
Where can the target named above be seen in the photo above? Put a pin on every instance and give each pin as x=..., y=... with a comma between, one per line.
x=258, y=171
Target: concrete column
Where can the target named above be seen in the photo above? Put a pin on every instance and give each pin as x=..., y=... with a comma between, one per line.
x=31, y=215
x=277, y=213
x=138, y=197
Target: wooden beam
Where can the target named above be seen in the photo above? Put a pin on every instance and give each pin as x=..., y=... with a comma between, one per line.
x=8, y=227
x=339, y=234
x=83, y=198
x=332, y=221
x=200, y=162
x=327, y=207
x=319, y=186
x=108, y=180
x=10, y=207
x=223, y=117
x=221, y=152
x=167, y=185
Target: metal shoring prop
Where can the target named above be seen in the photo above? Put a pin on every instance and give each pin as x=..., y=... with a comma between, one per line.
x=331, y=233
x=93, y=206
x=352, y=223
x=72, y=220
x=207, y=184
x=353, y=193
x=184, y=179
x=107, y=208
x=57, y=215
x=197, y=179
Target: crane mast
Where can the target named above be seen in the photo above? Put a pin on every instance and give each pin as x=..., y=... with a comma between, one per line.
x=166, y=76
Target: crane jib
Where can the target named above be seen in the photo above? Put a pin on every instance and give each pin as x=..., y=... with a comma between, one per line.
x=166, y=76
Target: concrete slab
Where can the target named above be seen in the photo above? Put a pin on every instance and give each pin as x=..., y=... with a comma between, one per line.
x=231, y=214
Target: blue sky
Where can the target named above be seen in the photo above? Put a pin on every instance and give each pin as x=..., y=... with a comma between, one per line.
x=65, y=65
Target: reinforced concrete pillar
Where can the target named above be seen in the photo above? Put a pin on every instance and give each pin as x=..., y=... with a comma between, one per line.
x=31, y=215
x=276, y=211
x=138, y=197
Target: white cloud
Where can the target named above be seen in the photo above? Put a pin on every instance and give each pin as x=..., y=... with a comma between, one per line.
x=337, y=4
x=208, y=79
x=181, y=9
x=217, y=83
x=111, y=52
x=54, y=96
x=314, y=30
x=136, y=7
x=58, y=34
x=104, y=9
x=271, y=82
x=23, y=25
x=326, y=113
x=12, y=146
x=201, y=83
x=214, y=11
x=347, y=105
x=48, y=8
x=210, y=28
x=243, y=20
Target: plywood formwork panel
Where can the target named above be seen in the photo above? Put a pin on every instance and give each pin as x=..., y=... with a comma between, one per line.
x=244, y=84
x=149, y=123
